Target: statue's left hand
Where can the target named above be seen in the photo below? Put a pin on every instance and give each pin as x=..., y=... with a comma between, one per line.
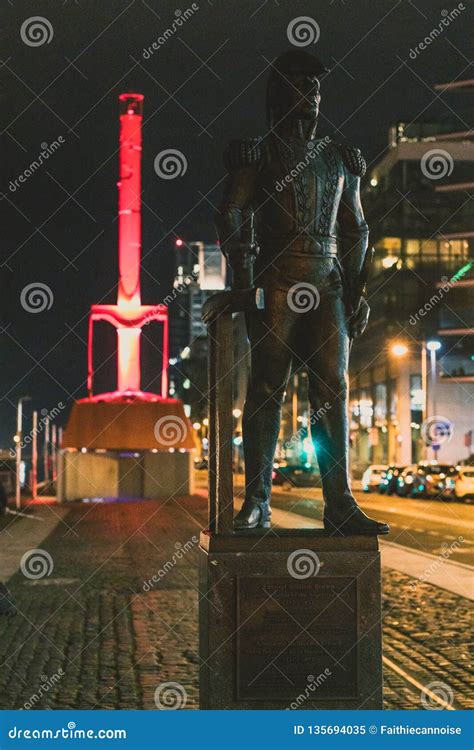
x=359, y=319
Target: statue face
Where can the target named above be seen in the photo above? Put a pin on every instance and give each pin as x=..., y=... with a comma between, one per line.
x=302, y=96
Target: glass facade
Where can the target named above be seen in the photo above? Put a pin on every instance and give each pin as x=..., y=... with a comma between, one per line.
x=390, y=251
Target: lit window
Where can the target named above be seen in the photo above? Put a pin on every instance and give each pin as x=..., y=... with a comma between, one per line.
x=392, y=245
x=429, y=247
x=412, y=247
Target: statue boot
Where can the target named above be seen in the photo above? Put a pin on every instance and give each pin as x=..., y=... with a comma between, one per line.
x=348, y=519
x=253, y=515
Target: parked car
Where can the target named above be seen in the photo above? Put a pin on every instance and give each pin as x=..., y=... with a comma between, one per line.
x=278, y=475
x=431, y=479
x=372, y=476
x=405, y=481
x=201, y=463
x=388, y=481
x=295, y=475
x=461, y=486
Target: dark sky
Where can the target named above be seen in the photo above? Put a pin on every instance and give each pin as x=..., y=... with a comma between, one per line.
x=204, y=86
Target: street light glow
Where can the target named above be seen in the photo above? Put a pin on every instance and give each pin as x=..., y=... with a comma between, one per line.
x=433, y=346
x=389, y=261
x=399, y=350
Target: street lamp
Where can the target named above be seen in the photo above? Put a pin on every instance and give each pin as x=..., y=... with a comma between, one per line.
x=18, y=441
x=34, y=457
x=399, y=349
x=433, y=347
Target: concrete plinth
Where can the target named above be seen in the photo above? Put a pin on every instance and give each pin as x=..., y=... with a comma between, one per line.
x=290, y=618
x=112, y=474
x=119, y=445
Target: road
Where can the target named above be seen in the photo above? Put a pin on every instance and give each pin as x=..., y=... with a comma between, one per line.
x=423, y=525
x=114, y=613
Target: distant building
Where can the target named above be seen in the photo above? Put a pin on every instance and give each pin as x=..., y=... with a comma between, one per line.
x=200, y=271
x=407, y=402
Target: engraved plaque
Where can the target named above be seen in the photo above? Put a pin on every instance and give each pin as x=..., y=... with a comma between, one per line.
x=297, y=639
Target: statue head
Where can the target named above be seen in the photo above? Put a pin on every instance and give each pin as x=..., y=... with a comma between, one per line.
x=293, y=87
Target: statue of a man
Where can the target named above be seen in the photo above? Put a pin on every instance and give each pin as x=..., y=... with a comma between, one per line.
x=309, y=225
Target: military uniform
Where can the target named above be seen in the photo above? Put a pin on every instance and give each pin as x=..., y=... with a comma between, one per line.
x=312, y=239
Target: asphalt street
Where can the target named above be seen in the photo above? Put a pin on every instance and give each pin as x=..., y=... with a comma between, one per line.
x=423, y=525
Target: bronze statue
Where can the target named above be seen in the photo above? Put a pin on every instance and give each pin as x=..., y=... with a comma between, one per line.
x=310, y=245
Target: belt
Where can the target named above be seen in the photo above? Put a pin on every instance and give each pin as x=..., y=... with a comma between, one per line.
x=317, y=247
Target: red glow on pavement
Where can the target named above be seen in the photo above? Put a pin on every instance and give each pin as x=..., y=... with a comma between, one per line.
x=128, y=396
x=40, y=500
x=129, y=315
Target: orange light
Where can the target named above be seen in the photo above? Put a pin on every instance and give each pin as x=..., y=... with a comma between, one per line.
x=399, y=350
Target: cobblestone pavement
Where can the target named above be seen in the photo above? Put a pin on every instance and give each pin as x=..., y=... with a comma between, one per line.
x=117, y=617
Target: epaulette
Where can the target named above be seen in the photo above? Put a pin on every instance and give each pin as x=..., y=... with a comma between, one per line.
x=353, y=159
x=239, y=154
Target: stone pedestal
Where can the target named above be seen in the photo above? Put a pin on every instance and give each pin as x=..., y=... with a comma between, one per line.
x=290, y=619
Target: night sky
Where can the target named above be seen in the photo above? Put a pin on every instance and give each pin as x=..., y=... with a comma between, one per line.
x=204, y=86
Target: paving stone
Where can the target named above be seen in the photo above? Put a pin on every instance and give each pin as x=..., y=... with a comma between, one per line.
x=118, y=634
